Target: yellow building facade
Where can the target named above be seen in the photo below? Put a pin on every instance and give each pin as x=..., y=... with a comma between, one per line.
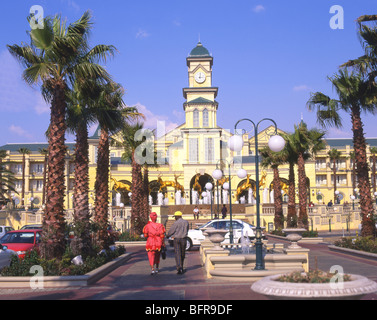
x=188, y=155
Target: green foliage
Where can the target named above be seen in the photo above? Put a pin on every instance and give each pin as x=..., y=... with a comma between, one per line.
x=128, y=236
x=367, y=244
x=63, y=267
x=313, y=276
x=310, y=234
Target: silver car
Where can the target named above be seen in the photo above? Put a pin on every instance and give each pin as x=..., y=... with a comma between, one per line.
x=4, y=230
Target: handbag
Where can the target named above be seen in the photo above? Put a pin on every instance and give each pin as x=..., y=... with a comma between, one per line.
x=163, y=252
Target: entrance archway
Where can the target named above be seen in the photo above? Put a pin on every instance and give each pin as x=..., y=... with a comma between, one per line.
x=120, y=195
x=198, y=183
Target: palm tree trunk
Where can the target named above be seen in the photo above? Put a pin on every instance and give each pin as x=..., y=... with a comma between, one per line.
x=81, y=244
x=291, y=216
x=146, y=209
x=278, y=201
x=44, y=180
x=137, y=222
x=334, y=173
x=302, y=193
x=366, y=204
x=102, y=191
x=374, y=173
x=53, y=239
x=23, y=181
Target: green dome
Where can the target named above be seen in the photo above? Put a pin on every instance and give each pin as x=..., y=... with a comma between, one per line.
x=199, y=51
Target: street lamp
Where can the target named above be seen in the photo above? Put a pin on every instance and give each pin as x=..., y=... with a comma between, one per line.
x=218, y=174
x=209, y=188
x=276, y=144
x=353, y=201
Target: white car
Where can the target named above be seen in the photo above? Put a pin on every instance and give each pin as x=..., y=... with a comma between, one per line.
x=4, y=230
x=240, y=228
x=5, y=256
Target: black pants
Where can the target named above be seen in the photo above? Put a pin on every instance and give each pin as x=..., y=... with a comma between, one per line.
x=179, y=251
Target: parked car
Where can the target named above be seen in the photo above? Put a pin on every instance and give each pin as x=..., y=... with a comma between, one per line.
x=22, y=241
x=5, y=257
x=31, y=226
x=240, y=228
x=4, y=230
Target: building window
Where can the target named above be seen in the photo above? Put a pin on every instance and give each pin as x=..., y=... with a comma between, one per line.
x=193, y=150
x=205, y=118
x=196, y=118
x=340, y=179
x=209, y=150
x=321, y=180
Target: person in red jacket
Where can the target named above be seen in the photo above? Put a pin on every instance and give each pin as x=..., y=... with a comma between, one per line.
x=154, y=232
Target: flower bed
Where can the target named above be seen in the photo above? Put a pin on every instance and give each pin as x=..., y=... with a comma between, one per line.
x=313, y=276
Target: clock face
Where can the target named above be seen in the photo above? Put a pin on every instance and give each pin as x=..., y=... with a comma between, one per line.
x=200, y=77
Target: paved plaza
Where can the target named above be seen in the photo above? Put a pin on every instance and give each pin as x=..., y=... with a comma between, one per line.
x=132, y=281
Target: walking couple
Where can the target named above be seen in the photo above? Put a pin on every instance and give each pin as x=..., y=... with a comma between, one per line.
x=155, y=234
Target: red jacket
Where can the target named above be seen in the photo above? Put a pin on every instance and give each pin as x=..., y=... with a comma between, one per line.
x=155, y=234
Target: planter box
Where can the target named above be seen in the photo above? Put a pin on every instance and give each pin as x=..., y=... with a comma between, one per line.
x=303, y=240
x=130, y=243
x=358, y=287
x=65, y=281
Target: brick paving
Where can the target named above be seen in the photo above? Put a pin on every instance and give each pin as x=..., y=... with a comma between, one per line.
x=132, y=281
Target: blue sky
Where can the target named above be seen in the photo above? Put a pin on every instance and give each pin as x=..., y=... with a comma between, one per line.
x=268, y=57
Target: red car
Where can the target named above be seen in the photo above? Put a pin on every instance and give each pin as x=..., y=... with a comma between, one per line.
x=21, y=241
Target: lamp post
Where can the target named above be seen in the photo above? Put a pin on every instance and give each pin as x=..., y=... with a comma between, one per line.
x=276, y=144
x=353, y=202
x=218, y=174
x=209, y=188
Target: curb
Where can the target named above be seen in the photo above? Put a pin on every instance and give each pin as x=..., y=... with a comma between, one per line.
x=64, y=281
x=363, y=254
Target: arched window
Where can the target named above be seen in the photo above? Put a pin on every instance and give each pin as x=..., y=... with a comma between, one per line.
x=196, y=118
x=205, y=118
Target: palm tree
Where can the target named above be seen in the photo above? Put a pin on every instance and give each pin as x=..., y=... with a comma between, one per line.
x=24, y=152
x=81, y=112
x=305, y=143
x=355, y=94
x=111, y=115
x=53, y=59
x=7, y=179
x=373, y=151
x=334, y=155
x=291, y=159
x=140, y=192
x=274, y=160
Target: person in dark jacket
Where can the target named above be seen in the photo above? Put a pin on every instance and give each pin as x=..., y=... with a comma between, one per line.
x=224, y=211
x=178, y=231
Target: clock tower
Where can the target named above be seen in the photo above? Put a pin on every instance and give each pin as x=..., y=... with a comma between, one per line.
x=201, y=135
x=200, y=106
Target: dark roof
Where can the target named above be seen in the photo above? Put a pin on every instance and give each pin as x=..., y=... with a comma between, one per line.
x=200, y=100
x=199, y=51
x=339, y=143
x=33, y=147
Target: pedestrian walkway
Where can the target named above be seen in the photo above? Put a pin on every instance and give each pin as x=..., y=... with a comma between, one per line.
x=133, y=281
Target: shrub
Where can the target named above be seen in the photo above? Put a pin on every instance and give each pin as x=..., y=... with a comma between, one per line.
x=367, y=244
x=54, y=267
x=128, y=236
x=313, y=276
